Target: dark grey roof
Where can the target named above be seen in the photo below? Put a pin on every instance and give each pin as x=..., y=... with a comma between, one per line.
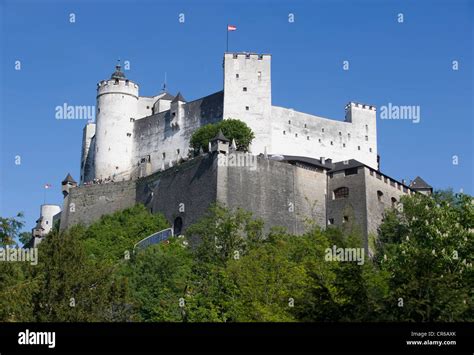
x=179, y=97
x=118, y=74
x=220, y=136
x=346, y=164
x=419, y=183
x=67, y=179
x=166, y=96
x=310, y=161
x=334, y=167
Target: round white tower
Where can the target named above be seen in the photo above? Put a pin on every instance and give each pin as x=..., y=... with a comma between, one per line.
x=117, y=100
x=47, y=213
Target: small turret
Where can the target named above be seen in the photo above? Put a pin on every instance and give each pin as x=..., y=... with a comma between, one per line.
x=177, y=110
x=220, y=143
x=67, y=184
x=118, y=73
x=421, y=186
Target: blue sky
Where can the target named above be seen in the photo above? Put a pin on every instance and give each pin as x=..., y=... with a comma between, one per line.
x=407, y=63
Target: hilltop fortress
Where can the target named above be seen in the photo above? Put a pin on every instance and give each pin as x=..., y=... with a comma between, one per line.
x=136, y=135
x=305, y=166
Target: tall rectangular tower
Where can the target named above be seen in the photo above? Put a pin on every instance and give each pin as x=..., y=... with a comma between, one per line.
x=364, y=126
x=248, y=94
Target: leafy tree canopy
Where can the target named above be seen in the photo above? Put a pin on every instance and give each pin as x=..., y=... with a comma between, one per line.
x=231, y=128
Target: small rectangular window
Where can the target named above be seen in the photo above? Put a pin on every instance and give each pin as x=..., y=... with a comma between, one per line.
x=351, y=171
x=247, y=108
x=331, y=221
x=259, y=75
x=236, y=76
x=244, y=88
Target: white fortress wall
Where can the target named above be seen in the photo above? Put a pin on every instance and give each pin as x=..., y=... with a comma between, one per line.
x=87, y=154
x=145, y=106
x=162, y=139
x=298, y=133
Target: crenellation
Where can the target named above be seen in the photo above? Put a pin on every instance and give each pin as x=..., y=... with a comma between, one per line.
x=300, y=157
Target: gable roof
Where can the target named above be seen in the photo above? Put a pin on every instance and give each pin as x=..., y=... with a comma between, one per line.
x=166, y=96
x=67, y=179
x=419, y=183
x=346, y=164
x=220, y=136
x=178, y=97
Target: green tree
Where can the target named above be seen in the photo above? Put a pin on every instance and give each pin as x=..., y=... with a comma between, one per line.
x=158, y=278
x=73, y=287
x=113, y=236
x=231, y=128
x=427, y=249
x=222, y=236
x=10, y=228
x=24, y=237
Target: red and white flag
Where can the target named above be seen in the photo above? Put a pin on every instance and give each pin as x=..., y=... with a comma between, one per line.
x=47, y=186
x=231, y=28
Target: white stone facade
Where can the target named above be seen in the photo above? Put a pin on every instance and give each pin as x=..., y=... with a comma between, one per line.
x=45, y=222
x=135, y=135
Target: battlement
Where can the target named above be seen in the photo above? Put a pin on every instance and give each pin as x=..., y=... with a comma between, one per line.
x=117, y=86
x=247, y=55
x=116, y=82
x=359, y=105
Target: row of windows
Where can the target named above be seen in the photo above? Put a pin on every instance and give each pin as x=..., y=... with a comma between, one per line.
x=247, y=56
x=345, y=219
x=388, y=180
x=319, y=139
x=259, y=76
x=340, y=133
x=343, y=192
x=163, y=155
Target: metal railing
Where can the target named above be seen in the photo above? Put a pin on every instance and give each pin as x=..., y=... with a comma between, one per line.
x=155, y=238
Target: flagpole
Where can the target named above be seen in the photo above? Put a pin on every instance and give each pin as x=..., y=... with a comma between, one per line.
x=227, y=43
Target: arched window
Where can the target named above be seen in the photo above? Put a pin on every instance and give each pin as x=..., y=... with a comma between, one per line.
x=394, y=202
x=342, y=192
x=379, y=195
